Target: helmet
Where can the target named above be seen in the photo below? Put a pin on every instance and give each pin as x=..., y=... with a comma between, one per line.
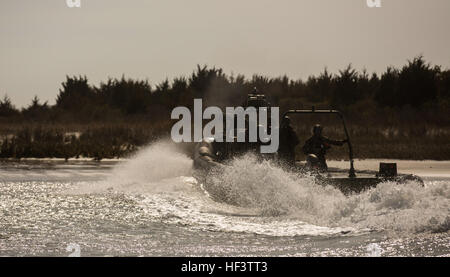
x=312, y=160
x=317, y=130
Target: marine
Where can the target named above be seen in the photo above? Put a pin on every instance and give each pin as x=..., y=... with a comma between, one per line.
x=288, y=142
x=318, y=145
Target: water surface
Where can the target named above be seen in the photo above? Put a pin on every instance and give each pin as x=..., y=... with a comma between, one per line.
x=151, y=205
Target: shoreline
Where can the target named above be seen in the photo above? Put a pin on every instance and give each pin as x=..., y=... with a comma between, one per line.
x=421, y=168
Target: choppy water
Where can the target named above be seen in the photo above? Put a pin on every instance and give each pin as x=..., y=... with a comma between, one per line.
x=152, y=205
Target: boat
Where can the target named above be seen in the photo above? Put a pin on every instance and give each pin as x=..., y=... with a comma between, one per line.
x=210, y=155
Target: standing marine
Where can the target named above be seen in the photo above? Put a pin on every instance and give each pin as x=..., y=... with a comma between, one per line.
x=288, y=142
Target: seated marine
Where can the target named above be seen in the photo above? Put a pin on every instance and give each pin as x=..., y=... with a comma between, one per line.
x=318, y=145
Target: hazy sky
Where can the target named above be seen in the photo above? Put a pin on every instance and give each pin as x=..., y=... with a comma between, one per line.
x=42, y=41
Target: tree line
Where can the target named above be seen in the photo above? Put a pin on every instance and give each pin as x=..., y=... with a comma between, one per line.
x=418, y=91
